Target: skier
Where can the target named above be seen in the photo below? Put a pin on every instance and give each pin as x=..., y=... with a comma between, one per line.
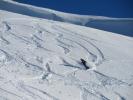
x=84, y=63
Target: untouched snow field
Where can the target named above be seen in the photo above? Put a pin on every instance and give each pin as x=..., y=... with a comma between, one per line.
x=40, y=59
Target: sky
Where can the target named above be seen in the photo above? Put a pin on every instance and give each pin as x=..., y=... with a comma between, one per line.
x=110, y=8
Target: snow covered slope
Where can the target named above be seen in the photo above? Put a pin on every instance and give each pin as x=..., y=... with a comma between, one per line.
x=116, y=25
x=40, y=59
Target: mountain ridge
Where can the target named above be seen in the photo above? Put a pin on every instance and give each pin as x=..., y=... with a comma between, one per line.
x=116, y=25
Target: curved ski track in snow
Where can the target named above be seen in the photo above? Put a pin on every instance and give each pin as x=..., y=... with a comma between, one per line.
x=40, y=60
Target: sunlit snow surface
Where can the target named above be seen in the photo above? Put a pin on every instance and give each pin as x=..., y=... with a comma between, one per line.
x=116, y=25
x=40, y=60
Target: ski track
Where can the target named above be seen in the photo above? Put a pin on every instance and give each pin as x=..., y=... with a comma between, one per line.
x=13, y=94
x=66, y=40
x=63, y=30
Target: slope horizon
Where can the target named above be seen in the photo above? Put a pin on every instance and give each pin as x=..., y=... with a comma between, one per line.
x=117, y=25
x=110, y=8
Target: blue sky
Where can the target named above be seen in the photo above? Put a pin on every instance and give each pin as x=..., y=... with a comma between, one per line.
x=111, y=8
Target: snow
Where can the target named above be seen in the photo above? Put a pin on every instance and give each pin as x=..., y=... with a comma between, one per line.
x=40, y=60
x=103, y=23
